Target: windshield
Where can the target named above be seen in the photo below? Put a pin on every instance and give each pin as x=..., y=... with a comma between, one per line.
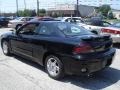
x=72, y=29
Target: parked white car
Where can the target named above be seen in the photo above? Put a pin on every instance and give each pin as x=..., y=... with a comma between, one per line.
x=114, y=31
x=95, y=25
x=71, y=19
x=18, y=22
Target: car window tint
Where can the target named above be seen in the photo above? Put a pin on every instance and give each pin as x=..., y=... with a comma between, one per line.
x=29, y=29
x=72, y=29
x=45, y=29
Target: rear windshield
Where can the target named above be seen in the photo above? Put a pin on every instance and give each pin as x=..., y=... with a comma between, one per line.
x=72, y=29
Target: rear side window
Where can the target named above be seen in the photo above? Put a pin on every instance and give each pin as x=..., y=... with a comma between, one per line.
x=45, y=29
x=72, y=29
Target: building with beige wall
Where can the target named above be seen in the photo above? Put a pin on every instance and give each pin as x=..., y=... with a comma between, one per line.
x=71, y=10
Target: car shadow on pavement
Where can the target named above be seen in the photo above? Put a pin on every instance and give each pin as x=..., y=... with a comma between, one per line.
x=99, y=80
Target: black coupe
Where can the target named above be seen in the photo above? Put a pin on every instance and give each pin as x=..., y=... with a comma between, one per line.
x=61, y=47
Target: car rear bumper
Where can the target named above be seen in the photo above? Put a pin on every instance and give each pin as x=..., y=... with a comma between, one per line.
x=116, y=39
x=87, y=65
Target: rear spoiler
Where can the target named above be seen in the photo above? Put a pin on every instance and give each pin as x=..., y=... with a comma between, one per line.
x=97, y=38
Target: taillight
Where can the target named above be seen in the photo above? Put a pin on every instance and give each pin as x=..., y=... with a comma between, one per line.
x=110, y=31
x=83, y=48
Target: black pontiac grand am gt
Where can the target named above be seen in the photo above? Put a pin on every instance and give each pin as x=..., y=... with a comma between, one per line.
x=61, y=47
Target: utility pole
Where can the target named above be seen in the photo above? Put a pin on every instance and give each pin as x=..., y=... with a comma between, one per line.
x=17, y=7
x=0, y=8
x=37, y=7
x=25, y=4
x=77, y=11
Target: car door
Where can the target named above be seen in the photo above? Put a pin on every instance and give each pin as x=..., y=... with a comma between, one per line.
x=21, y=41
x=41, y=41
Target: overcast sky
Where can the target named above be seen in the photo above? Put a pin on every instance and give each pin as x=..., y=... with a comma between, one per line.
x=10, y=5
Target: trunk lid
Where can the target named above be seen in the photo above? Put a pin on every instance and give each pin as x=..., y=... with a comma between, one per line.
x=98, y=43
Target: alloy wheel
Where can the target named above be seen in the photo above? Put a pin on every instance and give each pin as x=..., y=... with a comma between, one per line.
x=53, y=67
x=5, y=47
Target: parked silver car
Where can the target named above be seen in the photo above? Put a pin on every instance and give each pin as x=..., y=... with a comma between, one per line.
x=18, y=22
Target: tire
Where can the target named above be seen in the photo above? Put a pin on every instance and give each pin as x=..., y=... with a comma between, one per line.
x=54, y=67
x=5, y=47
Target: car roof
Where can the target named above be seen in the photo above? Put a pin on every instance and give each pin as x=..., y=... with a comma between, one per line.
x=47, y=22
x=37, y=19
x=64, y=18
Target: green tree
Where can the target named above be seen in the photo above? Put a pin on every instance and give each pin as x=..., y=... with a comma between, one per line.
x=27, y=12
x=104, y=9
x=42, y=12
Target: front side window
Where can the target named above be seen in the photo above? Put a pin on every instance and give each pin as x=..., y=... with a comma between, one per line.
x=28, y=29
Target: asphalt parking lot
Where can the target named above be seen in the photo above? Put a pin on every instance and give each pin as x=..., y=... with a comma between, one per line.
x=17, y=73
